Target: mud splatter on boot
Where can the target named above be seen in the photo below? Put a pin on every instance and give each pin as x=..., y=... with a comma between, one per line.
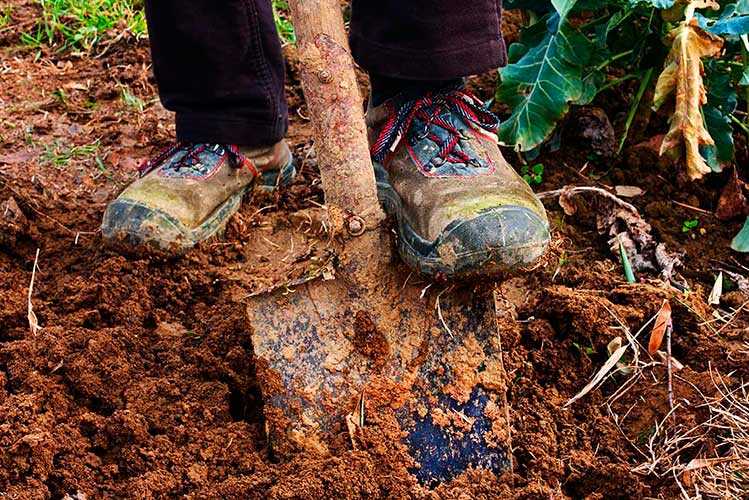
x=461, y=209
x=188, y=193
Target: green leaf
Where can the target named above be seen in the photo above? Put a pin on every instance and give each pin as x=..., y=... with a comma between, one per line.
x=719, y=126
x=515, y=51
x=740, y=242
x=744, y=81
x=689, y=224
x=732, y=26
x=591, y=84
x=721, y=103
x=544, y=80
x=626, y=265
x=563, y=7
x=658, y=4
x=732, y=21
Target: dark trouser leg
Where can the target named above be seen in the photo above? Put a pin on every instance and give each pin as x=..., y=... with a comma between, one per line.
x=219, y=67
x=427, y=39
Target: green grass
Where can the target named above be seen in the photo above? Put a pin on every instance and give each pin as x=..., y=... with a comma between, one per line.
x=131, y=100
x=283, y=22
x=59, y=156
x=82, y=24
x=6, y=16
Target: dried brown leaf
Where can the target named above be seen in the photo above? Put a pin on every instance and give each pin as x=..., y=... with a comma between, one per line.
x=682, y=75
x=614, y=346
x=732, y=203
x=621, y=221
x=605, y=369
x=628, y=191
x=659, y=329
x=645, y=253
x=565, y=201
x=31, y=315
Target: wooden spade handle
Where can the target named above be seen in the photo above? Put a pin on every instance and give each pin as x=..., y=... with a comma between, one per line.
x=335, y=106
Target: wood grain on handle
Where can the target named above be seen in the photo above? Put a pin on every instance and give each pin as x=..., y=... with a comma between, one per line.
x=335, y=106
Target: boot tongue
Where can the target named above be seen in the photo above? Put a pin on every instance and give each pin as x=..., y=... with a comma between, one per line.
x=185, y=160
x=439, y=127
x=427, y=143
x=194, y=161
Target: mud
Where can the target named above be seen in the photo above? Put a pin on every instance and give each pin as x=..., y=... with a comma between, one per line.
x=142, y=383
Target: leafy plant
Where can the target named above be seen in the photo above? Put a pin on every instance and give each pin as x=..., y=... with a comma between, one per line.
x=572, y=50
x=533, y=174
x=544, y=77
x=689, y=224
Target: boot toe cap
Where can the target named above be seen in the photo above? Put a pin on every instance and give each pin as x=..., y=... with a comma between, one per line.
x=136, y=223
x=498, y=239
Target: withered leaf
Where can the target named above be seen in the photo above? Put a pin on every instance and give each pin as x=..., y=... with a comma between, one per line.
x=565, y=201
x=732, y=201
x=630, y=230
x=662, y=322
x=624, y=226
x=628, y=191
x=682, y=75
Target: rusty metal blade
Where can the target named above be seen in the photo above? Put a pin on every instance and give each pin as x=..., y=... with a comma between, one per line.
x=426, y=371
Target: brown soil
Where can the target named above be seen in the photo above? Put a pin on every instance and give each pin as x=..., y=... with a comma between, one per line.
x=141, y=381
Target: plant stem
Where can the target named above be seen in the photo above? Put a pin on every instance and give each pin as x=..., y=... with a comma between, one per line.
x=669, y=328
x=743, y=126
x=615, y=82
x=745, y=60
x=635, y=106
x=594, y=21
x=612, y=59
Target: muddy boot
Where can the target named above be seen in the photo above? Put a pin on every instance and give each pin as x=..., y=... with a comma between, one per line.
x=461, y=210
x=188, y=193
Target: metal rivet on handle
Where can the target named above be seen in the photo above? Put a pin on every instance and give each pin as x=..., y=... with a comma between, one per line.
x=324, y=76
x=356, y=226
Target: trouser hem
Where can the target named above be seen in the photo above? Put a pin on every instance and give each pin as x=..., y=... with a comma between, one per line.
x=202, y=128
x=428, y=65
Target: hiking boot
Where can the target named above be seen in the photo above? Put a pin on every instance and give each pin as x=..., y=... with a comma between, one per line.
x=189, y=191
x=461, y=209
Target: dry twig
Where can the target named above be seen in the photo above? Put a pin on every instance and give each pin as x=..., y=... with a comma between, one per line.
x=570, y=190
x=33, y=321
